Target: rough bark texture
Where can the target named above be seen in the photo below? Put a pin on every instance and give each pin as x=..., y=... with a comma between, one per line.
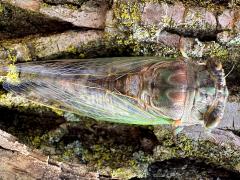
x=19, y=162
x=42, y=29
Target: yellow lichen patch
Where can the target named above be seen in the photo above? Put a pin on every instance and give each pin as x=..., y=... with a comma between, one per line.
x=167, y=21
x=218, y=51
x=12, y=75
x=127, y=13
x=59, y=112
x=152, y=1
x=9, y=100
x=1, y=8
x=11, y=58
x=123, y=173
x=72, y=49
x=81, y=55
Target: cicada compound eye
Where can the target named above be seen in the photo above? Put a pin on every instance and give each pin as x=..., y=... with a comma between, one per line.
x=212, y=119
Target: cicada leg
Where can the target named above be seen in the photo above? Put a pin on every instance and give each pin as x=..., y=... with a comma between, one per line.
x=184, y=54
x=176, y=129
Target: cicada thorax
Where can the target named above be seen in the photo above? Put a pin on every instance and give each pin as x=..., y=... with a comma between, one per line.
x=161, y=87
x=166, y=86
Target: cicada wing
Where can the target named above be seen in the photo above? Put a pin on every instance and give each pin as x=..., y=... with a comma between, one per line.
x=98, y=68
x=38, y=92
x=93, y=102
x=41, y=82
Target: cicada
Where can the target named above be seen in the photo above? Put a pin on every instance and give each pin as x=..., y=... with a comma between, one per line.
x=132, y=90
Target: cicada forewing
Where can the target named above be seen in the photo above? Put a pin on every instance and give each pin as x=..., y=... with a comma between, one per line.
x=69, y=85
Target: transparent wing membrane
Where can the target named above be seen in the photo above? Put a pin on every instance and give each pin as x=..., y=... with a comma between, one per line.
x=96, y=103
x=93, y=67
x=100, y=67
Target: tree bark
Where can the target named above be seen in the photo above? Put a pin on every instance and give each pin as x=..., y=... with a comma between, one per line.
x=43, y=30
x=19, y=162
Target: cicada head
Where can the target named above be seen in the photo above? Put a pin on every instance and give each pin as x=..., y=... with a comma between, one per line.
x=211, y=94
x=216, y=110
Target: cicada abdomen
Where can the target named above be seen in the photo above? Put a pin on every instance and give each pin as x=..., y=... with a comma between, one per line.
x=143, y=90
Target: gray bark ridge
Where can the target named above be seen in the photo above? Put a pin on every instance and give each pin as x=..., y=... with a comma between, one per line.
x=19, y=162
